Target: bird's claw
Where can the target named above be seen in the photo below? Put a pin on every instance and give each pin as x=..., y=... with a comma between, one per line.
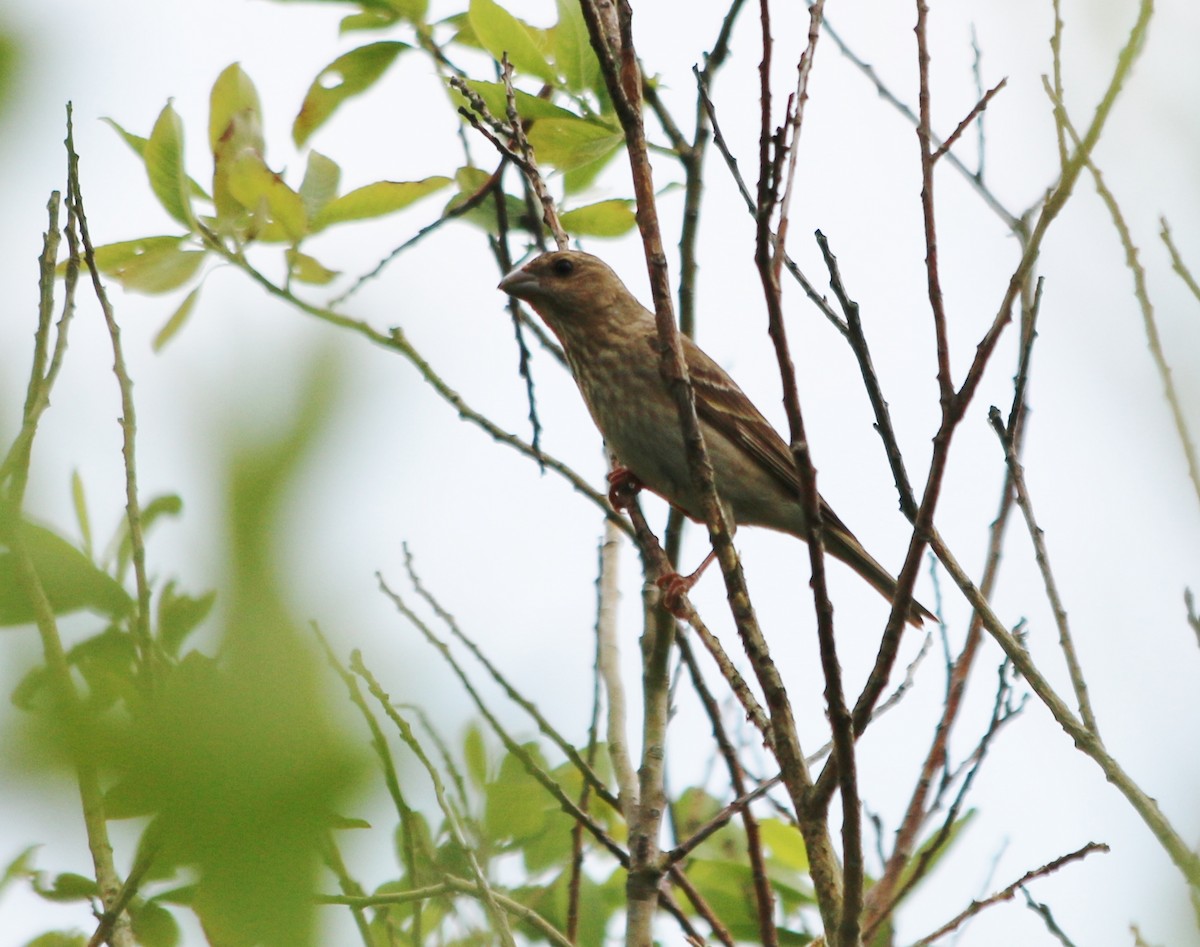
x=623, y=486
x=675, y=588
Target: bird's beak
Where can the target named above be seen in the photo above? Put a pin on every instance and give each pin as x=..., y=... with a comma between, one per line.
x=518, y=283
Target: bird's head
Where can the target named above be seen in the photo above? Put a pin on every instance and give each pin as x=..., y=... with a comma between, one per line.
x=570, y=289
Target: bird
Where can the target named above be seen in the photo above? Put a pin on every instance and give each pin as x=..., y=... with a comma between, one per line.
x=611, y=345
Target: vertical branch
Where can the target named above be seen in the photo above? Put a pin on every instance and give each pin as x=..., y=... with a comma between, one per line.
x=933, y=279
x=608, y=663
x=692, y=159
x=67, y=701
x=133, y=509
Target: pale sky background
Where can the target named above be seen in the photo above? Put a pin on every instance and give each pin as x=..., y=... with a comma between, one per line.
x=512, y=553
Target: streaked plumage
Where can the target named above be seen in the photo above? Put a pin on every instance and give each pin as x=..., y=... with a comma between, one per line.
x=611, y=344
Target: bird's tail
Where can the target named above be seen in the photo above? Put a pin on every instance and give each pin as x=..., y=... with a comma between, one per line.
x=840, y=543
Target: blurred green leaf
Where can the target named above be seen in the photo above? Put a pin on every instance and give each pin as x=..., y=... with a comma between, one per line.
x=349, y=75
x=475, y=754
x=573, y=53
x=160, y=270
x=107, y=662
x=138, y=144
x=375, y=200
x=581, y=177
x=307, y=269
x=368, y=20
x=611, y=218
x=70, y=580
x=570, y=143
x=255, y=186
x=785, y=843
x=320, y=185
x=58, y=939
x=240, y=756
x=19, y=868
x=235, y=109
x=163, y=154
x=412, y=10
x=500, y=32
x=179, y=615
x=68, y=886
x=512, y=811
x=9, y=60
x=154, y=925
x=176, y=321
x=168, y=504
x=79, y=501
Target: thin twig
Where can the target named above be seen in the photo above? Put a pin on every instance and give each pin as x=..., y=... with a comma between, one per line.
x=1043, y=911
x=451, y=885
x=976, y=112
x=395, y=340
x=487, y=894
x=1037, y=535
x=731, y=162
x=1142, y=294
x=1007, y=894
x=128, y=420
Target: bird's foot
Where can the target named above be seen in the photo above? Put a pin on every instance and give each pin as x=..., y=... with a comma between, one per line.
x=675, y=588
x=623, y=487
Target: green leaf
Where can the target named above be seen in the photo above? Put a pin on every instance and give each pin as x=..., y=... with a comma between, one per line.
x=159, y=270
x=573, y=53
x=320, y=185
x=307, y=269
x=79, y=501
x=500, y=32
x=375, y=200
x=475, y=754
x=349, y=75
x=20, y=867
x=138, y=144
x=163, y=155
x=785, y=843
x=106, y=662
x=179, y=615
x=167, y=504
x=113, y=257
x=412, y=10
x=579, y=179
x=176, y=322
x=485, y=215
x=235, y=111
x=68, y=577
x=58, y=939
x=367, y=20
x=154, y=925
x=69, y=887
x=610, y=218
x=570, y=143
x=255, y=187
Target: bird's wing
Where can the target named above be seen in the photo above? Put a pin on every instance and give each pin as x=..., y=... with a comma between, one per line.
x=721, y=403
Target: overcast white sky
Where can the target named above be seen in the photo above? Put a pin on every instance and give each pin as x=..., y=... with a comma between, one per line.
x=1107, y=477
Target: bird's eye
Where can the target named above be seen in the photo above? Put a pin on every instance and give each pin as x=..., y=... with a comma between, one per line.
x=563, y=266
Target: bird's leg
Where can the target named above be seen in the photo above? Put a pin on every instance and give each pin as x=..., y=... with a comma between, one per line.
x=623, y=486
x=675, y=586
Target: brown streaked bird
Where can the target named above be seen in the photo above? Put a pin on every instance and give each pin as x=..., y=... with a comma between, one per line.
x=611, y=344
